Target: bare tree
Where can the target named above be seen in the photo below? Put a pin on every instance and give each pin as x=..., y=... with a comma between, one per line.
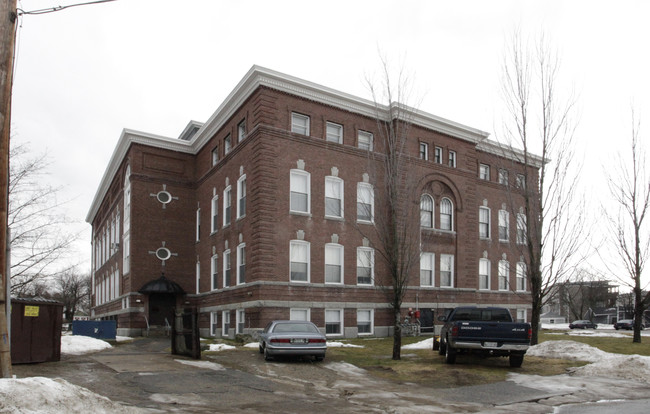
x=396, y=219
x=538, y=133
x=629, y=235
x=39, y=240
x=73, y=290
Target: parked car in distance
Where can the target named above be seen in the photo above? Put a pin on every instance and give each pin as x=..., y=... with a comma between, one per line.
x=292, y=338
x=626, y=324
x=582, y=324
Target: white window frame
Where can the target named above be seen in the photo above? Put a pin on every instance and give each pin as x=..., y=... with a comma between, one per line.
x=504, y=275
x=227, y=145
x=484, y=271
x=450, y=214
x=452, y=159
x=227, y=268
x=215, y=155
x=503, y=176
x=334, y=132
x=484, y=172
x=240, y=321
x=198, y=224
x=293, y=184
x=363, y=254
x=214, y=272
x=332, y=186
x=241, y=130
x=521, y=228
x=430, y=214
x=300, y=314
x=428, y=264
x=126, y=251
x=365, y=140
x=504, y=223
x=366, y=190
x=241, y=264
x=225, y=323
x=520, y=181
x=371, y=321
x=214, y=323
x=214, y=214
x=424, y=151
x=484, y=223
x=437, y=155
x=294, y=244
x=447, y=259
x=334, y=257
x=521, y=276
x=198, y=277
x=522, y=315
x=241, y=196
x=227, y=206
x=330, y=321
x=300, y=123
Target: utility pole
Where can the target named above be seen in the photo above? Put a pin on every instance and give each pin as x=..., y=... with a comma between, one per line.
x=8, y=16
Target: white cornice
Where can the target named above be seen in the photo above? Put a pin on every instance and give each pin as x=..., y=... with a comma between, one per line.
x=513, y=154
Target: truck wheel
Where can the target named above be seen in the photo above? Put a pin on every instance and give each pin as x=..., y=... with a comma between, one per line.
x=450, y=354
x=516, y=360
x=442, y=347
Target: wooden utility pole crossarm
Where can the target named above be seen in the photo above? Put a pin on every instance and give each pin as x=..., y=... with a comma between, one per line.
x=7, y=40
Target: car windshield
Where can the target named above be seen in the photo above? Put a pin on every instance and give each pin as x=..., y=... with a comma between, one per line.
x=491, y=315
x=295, y=327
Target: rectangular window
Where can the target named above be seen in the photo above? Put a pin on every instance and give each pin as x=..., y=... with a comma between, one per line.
x=521, y=228
x=504, y=274
x=437, y=156
x=365, y=321
x=503, y=176
x=127, y=254
x=299, y=123
x=334, y=133
x=214, y=214
x=520, y=181
x=299, y=315
x=427, y=268
x=521, y=316
x=226, y=268
x=446, y=270
x=227, y=206
x=333, y=263
x=484, y=222
x=424, y=151
x=241, y=130
x=484, y=274
x=198, y=224
x=365, y=265
x=333, y=197
x=225, y=323
x=198, y=277
x=214, y=272
x=365, y=140
x=299, y=261
x=521, y=276
x=215, y=156
x=214, y=323
x=241, y=321
x=504, y=219
x=452, y=159
x=227, y=145
x=365, y=202
x=484, y=172
x=241, y=264
x=334, y=322
x=300, y=189
x=241, y=197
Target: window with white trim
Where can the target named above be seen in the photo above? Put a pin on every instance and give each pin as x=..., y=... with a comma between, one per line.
x=333, y=197
x=484, y=172
x=299, y=315
x=424, y=151
x=300, y=191
x=214, y=323
x=437, y=155
x=426, y=211
x=126, y=251
x=334, y=133
x=241, y=130
x=446, y=270
x=214, y=214
x=299, y=252
x=226, y=268
x=446, y=214
x=520, y=181
x=333, y=263
x=521, y=228
x=225, y=323
x=365, y=265
x=215, y=156
x=504, y=224
x=241, y=264
x=521, y=276
x=521, y=316
x=227, y=206
x=483, y=222
x=504, y=274
x=365, y=140
x=299, y=123
x=427, y=269
x=365, y=324
x=198, y=277
x=452, y=159
x=241, y=196
x=227, y=145
x=334, y=322
x=503, y=176
x=240, y=317
x=484, y=274
x=198, y=224
x=365, y=202
x=214, y=272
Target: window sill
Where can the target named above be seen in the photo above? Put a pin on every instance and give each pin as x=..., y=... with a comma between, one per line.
x=365, y=222
x=334, y=218
x=300, y=213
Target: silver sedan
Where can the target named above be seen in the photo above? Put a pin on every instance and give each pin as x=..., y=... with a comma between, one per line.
x=292, y=338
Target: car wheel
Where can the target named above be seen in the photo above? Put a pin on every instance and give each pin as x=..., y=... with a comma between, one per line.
x=516, y=360
x=442, y=347
x=267, y=357
x=261, y=349
x=450, y=354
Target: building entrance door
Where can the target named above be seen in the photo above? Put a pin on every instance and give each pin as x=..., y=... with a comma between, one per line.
x=161, y=307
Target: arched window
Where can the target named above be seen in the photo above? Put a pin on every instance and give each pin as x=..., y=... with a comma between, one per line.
x=446, y=214
x=426, y=211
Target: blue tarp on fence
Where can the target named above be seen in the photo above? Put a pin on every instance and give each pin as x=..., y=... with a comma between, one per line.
x=95, y=329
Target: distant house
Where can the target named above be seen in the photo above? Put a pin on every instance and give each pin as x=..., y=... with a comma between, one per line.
x=594, y=300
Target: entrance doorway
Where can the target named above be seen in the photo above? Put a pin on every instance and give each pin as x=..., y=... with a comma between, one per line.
x=161, y=307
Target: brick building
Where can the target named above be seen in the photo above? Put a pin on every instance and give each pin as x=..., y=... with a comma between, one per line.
x=256, y=214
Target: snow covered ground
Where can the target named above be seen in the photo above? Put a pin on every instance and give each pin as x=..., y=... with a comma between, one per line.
x=44, y=395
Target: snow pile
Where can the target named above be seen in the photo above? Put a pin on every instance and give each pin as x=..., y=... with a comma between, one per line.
x=426, y=344
x=220, y=347
x=43, y=395
x=79, y=345
x=254, y=345
x=567, y=350
x=202, y=364
x=337, y=344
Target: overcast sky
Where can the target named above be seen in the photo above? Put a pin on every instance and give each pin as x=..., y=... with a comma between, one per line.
x=85, y=73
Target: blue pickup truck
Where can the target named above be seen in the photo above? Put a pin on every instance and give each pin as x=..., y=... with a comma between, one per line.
x=486, y=331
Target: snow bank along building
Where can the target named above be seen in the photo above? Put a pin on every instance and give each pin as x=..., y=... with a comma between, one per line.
x=255, y=214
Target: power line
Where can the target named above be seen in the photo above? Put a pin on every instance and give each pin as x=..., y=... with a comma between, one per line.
x=59, y=8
